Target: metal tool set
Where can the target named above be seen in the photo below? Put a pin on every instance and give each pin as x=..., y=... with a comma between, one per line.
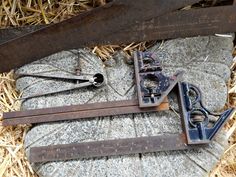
x=153, y=88
x=130, y=22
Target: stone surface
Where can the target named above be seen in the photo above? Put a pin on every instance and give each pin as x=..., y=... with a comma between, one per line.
x=206, y=62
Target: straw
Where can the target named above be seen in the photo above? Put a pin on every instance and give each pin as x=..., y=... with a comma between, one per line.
x=13, y=161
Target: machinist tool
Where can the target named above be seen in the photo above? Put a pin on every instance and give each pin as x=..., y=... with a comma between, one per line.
x=195, y=117
x=152, y=85
x=117, y=22
x=96, y=80
x=198, y=131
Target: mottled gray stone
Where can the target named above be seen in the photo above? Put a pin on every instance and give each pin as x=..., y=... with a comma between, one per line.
x=206, y=62
x=204, y=49
x=209, y=84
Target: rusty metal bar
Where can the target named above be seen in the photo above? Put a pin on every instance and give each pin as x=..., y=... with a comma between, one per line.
x=177, y=24
x=110, y=148
x=73, y=108
x=7, y=34
x=78, y=112
x=186, y=23
x=87, y=29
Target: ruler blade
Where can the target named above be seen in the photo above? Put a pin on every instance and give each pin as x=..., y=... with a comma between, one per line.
x=109, y=148
x=78, y=112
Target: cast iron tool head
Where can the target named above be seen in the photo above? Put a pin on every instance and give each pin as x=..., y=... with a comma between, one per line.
x=196, y=118
x=152, y=85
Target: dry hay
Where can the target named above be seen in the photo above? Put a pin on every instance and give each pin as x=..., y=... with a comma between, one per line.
x=13, y=161
x=12, y=157
x=227, y=164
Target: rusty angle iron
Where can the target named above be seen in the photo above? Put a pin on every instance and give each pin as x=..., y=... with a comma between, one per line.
x=83, y=30
x=130, y=22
